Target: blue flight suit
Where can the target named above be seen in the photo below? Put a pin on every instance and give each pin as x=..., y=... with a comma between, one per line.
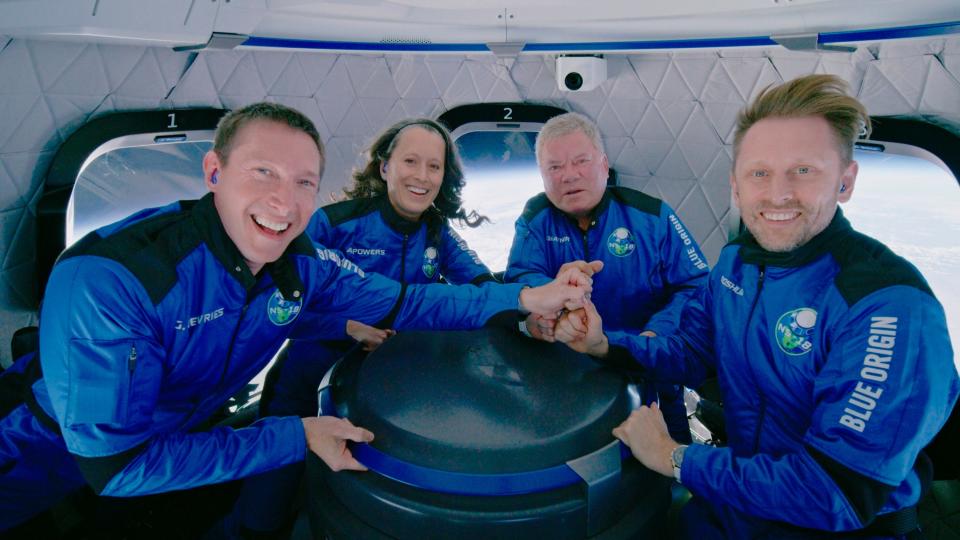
x=836, y=370
x=652, y=266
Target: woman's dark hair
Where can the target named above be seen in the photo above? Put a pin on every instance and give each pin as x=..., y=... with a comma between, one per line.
x=367, y=182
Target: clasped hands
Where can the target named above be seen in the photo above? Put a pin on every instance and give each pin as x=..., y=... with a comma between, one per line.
x=578, y=324
x=568, y=292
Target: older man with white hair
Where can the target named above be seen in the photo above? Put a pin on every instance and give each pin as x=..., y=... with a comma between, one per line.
x=652, y=265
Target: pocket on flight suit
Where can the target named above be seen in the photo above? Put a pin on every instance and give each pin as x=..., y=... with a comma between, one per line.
x=102, y=386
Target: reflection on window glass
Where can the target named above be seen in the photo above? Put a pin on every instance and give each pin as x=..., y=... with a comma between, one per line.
x=501, y=174
x=120, y=182
x=911, y=205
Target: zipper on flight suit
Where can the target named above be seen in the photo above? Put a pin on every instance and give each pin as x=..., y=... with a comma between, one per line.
x=403, y=260
x=233, y=337
x=586, y=246
x=132, y=358
x=763, y=400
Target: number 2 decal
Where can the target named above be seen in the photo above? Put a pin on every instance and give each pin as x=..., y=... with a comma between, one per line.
x=507, y=113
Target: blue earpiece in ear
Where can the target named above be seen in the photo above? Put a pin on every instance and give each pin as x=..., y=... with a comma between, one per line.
x=213, y=177
x=843, y=187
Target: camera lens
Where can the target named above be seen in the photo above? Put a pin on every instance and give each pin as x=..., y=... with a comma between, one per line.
x=573, y=80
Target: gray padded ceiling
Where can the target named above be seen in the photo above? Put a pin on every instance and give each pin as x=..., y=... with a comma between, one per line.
x=666, y=118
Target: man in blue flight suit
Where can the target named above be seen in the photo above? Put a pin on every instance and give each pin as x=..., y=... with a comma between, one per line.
x=150, y=324
x=652, y=265
x=833, y=355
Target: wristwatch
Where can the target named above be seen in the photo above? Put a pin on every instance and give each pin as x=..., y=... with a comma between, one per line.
x=676, y=459
x=522, y=326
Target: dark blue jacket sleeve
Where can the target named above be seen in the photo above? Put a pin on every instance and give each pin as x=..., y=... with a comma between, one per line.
x=328, y=323
x=347, y=292
x=103, y=365
x=319, y=228
x=683, y=357
x=330, y=327
x=683, y=269
x=885, y=390
x=460, y=264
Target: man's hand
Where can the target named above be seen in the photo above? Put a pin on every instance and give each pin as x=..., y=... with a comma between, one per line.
x=582, y=331
x=327, y=437
x=541, y=327
x=568, y=290
x=645, y=432
x=588, y=268
x=370, y=337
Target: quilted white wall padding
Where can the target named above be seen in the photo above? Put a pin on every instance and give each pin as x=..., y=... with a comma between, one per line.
x=750, y=75
x=895, y=84
x=723, y=117
x=535, y=76
x=18, y=265
x=364, y=116
x=371, y=78
x=308, y=107
x=849, y=66
x=619, y=117
x=479, y=80
x=344, y=155
x=941, y=93
x=290, y=79
x=884, y=94
x=142, y=80
x=661, y=77
x=18, y=176
x=590, y=103
x=335, y=96
x=653, y=138
x=627, y=154
x=951, y=57
x=239, y=75
x=271, y=69
x=908, y=48
x=412, y=77
x=625, y=85
x=407, y=108
x=694, y=203
x=696, y=70
x=17, y=75
x=28, y=124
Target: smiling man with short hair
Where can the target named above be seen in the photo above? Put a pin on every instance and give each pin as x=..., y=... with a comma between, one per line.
x=833, y=356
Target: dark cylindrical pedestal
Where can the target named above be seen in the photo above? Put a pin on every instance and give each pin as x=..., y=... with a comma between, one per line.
x=351, y=506
x=484, y=434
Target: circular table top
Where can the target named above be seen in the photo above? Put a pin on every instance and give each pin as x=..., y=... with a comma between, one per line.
x=487, y=401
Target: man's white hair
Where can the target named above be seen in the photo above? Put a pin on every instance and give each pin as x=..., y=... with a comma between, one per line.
x=565, y=124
